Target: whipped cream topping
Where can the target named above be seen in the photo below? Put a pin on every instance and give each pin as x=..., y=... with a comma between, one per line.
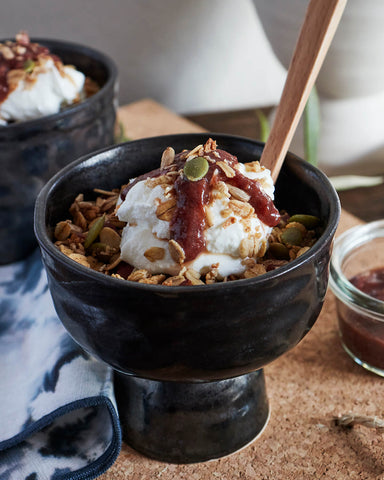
x=233, y=230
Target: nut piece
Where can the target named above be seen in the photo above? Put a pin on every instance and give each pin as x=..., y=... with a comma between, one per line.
x=238, y=194
x=154, y=253
x=62, y=230
x=229, y=171
x=110, y=237
x=176, y=251
x=166, y=209
x=168, y=157
x=195, y=150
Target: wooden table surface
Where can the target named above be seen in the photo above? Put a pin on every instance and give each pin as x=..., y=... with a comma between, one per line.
x=365, y=203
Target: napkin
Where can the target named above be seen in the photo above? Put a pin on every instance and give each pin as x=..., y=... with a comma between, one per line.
x=58, y=417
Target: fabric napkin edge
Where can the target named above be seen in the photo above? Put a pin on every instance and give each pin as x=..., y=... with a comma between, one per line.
x=105, y=461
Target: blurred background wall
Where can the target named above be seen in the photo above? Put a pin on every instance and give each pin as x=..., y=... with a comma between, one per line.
x=193, y=56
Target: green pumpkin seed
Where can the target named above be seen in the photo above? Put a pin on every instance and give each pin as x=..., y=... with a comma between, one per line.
x=94, y=231
x=29, y=65
x=279, y=251
x=309, y=221
x=196, y=168
x=292, y=236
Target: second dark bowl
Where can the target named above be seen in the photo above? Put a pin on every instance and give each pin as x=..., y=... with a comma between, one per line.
x=31, y=152
x=196, y=333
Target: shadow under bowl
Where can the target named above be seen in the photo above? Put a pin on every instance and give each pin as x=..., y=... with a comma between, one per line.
x=178, y=336
x=33, y=151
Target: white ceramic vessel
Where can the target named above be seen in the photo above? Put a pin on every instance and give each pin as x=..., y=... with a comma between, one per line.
x=350, y=83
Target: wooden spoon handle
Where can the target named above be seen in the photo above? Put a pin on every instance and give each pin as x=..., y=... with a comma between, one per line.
x=317, y=31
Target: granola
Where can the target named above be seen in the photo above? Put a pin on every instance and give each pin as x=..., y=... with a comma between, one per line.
x=92, y=235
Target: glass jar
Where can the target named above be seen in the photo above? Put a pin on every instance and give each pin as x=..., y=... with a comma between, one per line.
x=358, y=256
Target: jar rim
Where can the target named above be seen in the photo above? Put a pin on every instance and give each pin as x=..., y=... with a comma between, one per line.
x=340, y=285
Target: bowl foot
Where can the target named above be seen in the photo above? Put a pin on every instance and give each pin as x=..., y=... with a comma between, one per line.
x=191, y=422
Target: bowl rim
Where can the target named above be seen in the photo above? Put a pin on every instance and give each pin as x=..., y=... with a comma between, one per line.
x=72, y=109
x=46, y=243
x=348, y=242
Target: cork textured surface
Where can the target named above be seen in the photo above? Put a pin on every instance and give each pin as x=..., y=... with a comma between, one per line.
x=307, y=388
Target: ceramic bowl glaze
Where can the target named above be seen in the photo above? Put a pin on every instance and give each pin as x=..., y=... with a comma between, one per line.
x=191, y=385
x=187, y=333
x=33, y=151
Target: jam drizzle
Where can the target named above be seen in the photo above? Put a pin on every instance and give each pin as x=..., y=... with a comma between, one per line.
x=188, y=223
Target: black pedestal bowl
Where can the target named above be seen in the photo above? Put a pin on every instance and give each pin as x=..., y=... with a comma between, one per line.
x=188, y=360
x=31, y=152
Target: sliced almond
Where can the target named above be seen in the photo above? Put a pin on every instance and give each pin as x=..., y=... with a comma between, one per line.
x=195, y=150
x=79, y=220
x=166, y=209
x=110, y=237
x=238, y=194
x=154, y=253
x=168, y=157
x=109, y=203
x=228, y=170
x=176, y=251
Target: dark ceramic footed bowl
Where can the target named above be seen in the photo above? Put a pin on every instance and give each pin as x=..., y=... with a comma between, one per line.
x=32, y=152
x=195, y=333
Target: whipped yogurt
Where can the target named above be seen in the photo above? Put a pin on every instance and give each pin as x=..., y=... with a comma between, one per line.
x=230, y=224
x=33, y=82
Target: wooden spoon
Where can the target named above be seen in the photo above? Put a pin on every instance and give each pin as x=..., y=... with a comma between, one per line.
x=321, y=20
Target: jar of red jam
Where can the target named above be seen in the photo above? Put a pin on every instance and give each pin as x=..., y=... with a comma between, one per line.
x=357, y=280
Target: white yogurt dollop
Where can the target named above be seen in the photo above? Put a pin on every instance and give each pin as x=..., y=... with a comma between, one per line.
x=45, y=95
x=226, y=229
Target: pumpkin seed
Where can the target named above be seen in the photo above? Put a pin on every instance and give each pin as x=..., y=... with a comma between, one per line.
x=196, y=168
x=29, y=65
x=279, y=251
x=309, y=221
x=292, y=236
x=94, y=231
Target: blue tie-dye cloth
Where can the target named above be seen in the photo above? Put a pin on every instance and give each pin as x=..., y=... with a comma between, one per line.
x=58, y=418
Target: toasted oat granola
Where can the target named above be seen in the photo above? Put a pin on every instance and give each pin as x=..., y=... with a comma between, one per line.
x=92, y=237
